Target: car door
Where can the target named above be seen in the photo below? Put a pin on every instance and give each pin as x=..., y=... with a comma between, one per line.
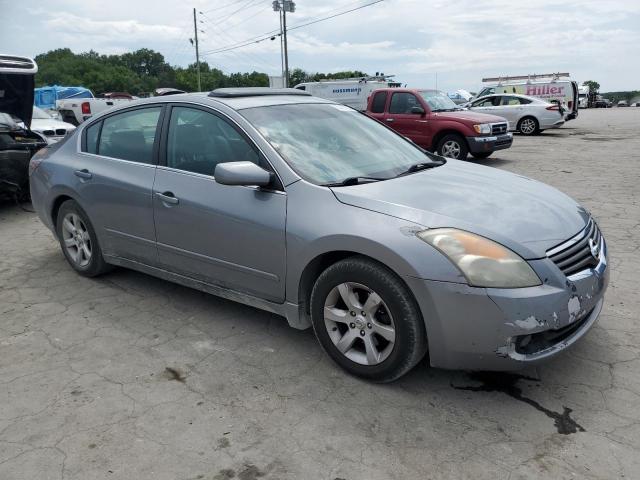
x=511, y=108
x=400, y=117
x=378, y=105
x=113, y=177
x=229, y=236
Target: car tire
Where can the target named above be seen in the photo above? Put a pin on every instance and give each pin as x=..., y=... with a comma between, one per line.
x=453, y=146
x=79, y=241
x=481, y=155
x=528, y=126
x=380, y=346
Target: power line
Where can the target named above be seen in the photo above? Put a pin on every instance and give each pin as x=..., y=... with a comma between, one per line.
x=271, y=35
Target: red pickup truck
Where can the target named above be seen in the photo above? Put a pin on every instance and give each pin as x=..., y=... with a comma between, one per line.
x=431, y=120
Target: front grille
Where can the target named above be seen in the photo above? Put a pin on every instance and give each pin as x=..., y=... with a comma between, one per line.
x=499, y=128
x=49, y=133
x=575, y=255
x=61, y=131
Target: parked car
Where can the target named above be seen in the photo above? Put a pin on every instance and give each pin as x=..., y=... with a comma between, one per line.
x=527, y=115
x=53, y=130
x=431, y=120
x=623, y=103
x=77, y=110
x=636, y=104
x=306, y=208
x=17, y=142
x=553, y=87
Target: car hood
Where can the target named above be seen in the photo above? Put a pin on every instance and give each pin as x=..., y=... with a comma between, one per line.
x=471, y=117
x=40, y=124
x=16, y=95
x=523, y=214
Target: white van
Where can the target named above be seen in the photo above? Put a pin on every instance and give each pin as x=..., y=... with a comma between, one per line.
x=552, y=89
x=353, y=92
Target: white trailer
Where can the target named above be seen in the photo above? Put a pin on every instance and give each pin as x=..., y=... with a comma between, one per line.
x=353, y=92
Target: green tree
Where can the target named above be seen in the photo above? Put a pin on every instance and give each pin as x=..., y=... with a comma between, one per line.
x=594, y=87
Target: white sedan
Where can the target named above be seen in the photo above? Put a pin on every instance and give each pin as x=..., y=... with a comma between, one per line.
x=50, y=128
x=527, y=115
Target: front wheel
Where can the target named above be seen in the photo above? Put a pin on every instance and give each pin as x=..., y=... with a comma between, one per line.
x=367, y=321
x=453, y=146
x=480, y=155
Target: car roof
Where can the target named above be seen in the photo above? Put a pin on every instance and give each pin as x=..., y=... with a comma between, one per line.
x=236, y=100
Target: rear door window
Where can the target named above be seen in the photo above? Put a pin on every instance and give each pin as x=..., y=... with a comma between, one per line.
x=130, y=135
x=91, y=142
x=379, y=101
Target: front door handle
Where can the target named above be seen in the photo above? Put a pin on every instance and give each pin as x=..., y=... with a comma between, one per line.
x=390, y=120
x=168, y=197
x=84, y=173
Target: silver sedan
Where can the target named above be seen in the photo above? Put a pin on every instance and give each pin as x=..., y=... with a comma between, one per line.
x=527, y=115
x=311, y=210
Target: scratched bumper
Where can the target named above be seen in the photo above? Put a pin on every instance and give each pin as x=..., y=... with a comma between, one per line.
x=508, y=329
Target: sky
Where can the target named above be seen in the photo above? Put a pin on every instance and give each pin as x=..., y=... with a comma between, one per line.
x=449, y=44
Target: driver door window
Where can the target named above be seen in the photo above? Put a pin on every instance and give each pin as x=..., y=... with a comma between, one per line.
x=199, y=140
x=402, y=103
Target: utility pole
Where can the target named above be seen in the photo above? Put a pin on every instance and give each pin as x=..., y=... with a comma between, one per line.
x=282, y=7
x=195, y=30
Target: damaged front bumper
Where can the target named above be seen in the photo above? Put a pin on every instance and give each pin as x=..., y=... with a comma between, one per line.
x=473, y=328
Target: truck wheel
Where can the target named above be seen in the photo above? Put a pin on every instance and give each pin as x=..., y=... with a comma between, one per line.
x=367, y=320
x=481, y=155
x=453, y=146
x=528, y=126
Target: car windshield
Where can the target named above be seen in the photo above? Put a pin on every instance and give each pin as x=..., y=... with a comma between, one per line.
x=39, y=113
x=438, y=101
x=328, y=143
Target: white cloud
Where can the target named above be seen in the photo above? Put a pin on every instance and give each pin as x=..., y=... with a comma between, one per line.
x=461, y=40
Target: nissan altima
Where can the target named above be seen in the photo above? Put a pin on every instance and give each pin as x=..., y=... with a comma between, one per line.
x=311, y=210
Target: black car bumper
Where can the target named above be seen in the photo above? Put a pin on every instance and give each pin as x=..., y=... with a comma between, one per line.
x=489, y=143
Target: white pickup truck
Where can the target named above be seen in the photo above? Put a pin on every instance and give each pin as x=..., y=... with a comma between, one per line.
x=77, y=110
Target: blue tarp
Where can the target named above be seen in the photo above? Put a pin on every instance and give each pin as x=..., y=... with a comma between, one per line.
x=45, y=97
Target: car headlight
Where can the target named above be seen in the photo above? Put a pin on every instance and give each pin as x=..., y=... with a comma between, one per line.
x=483, y=128
x=483, y=262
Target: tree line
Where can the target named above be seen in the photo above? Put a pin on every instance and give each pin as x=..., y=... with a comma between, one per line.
x=144, y=70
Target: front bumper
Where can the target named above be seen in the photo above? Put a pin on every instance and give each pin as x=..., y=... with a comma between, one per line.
x=471, y=328
x=490, y=143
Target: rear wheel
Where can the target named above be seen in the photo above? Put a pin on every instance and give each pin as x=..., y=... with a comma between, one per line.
x=528, y=126
x=481, y=155
x=367, y=321
x=79, y=241
x=453, y=146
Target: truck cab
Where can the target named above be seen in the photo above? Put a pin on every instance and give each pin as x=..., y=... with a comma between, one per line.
x=434, y=122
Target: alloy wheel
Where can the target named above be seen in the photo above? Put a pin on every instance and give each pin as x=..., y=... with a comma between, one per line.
x=451, y=149
x=77, y=240
x=528, y=126
x=359, y=323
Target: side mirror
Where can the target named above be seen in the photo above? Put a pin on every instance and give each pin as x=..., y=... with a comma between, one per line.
x=417, y=110
x=242, y=173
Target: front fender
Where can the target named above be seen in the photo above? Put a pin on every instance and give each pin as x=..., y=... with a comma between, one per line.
x=317, y=223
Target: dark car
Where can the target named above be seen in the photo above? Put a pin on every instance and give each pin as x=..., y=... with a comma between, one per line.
x=17, y=142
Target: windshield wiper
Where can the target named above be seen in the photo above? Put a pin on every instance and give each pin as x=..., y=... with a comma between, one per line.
x=416, y=167
x=353, y=181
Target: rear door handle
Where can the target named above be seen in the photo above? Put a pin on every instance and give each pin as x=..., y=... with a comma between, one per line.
x=168, y=197
x=84, y=173
x=390, y=120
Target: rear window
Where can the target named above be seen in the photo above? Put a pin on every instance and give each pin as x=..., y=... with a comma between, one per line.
x=379, y=101
x=91, y=133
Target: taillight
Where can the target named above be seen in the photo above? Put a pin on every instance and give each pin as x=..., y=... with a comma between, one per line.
x=36, y=160
x=86, y=108
x=553, y=107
